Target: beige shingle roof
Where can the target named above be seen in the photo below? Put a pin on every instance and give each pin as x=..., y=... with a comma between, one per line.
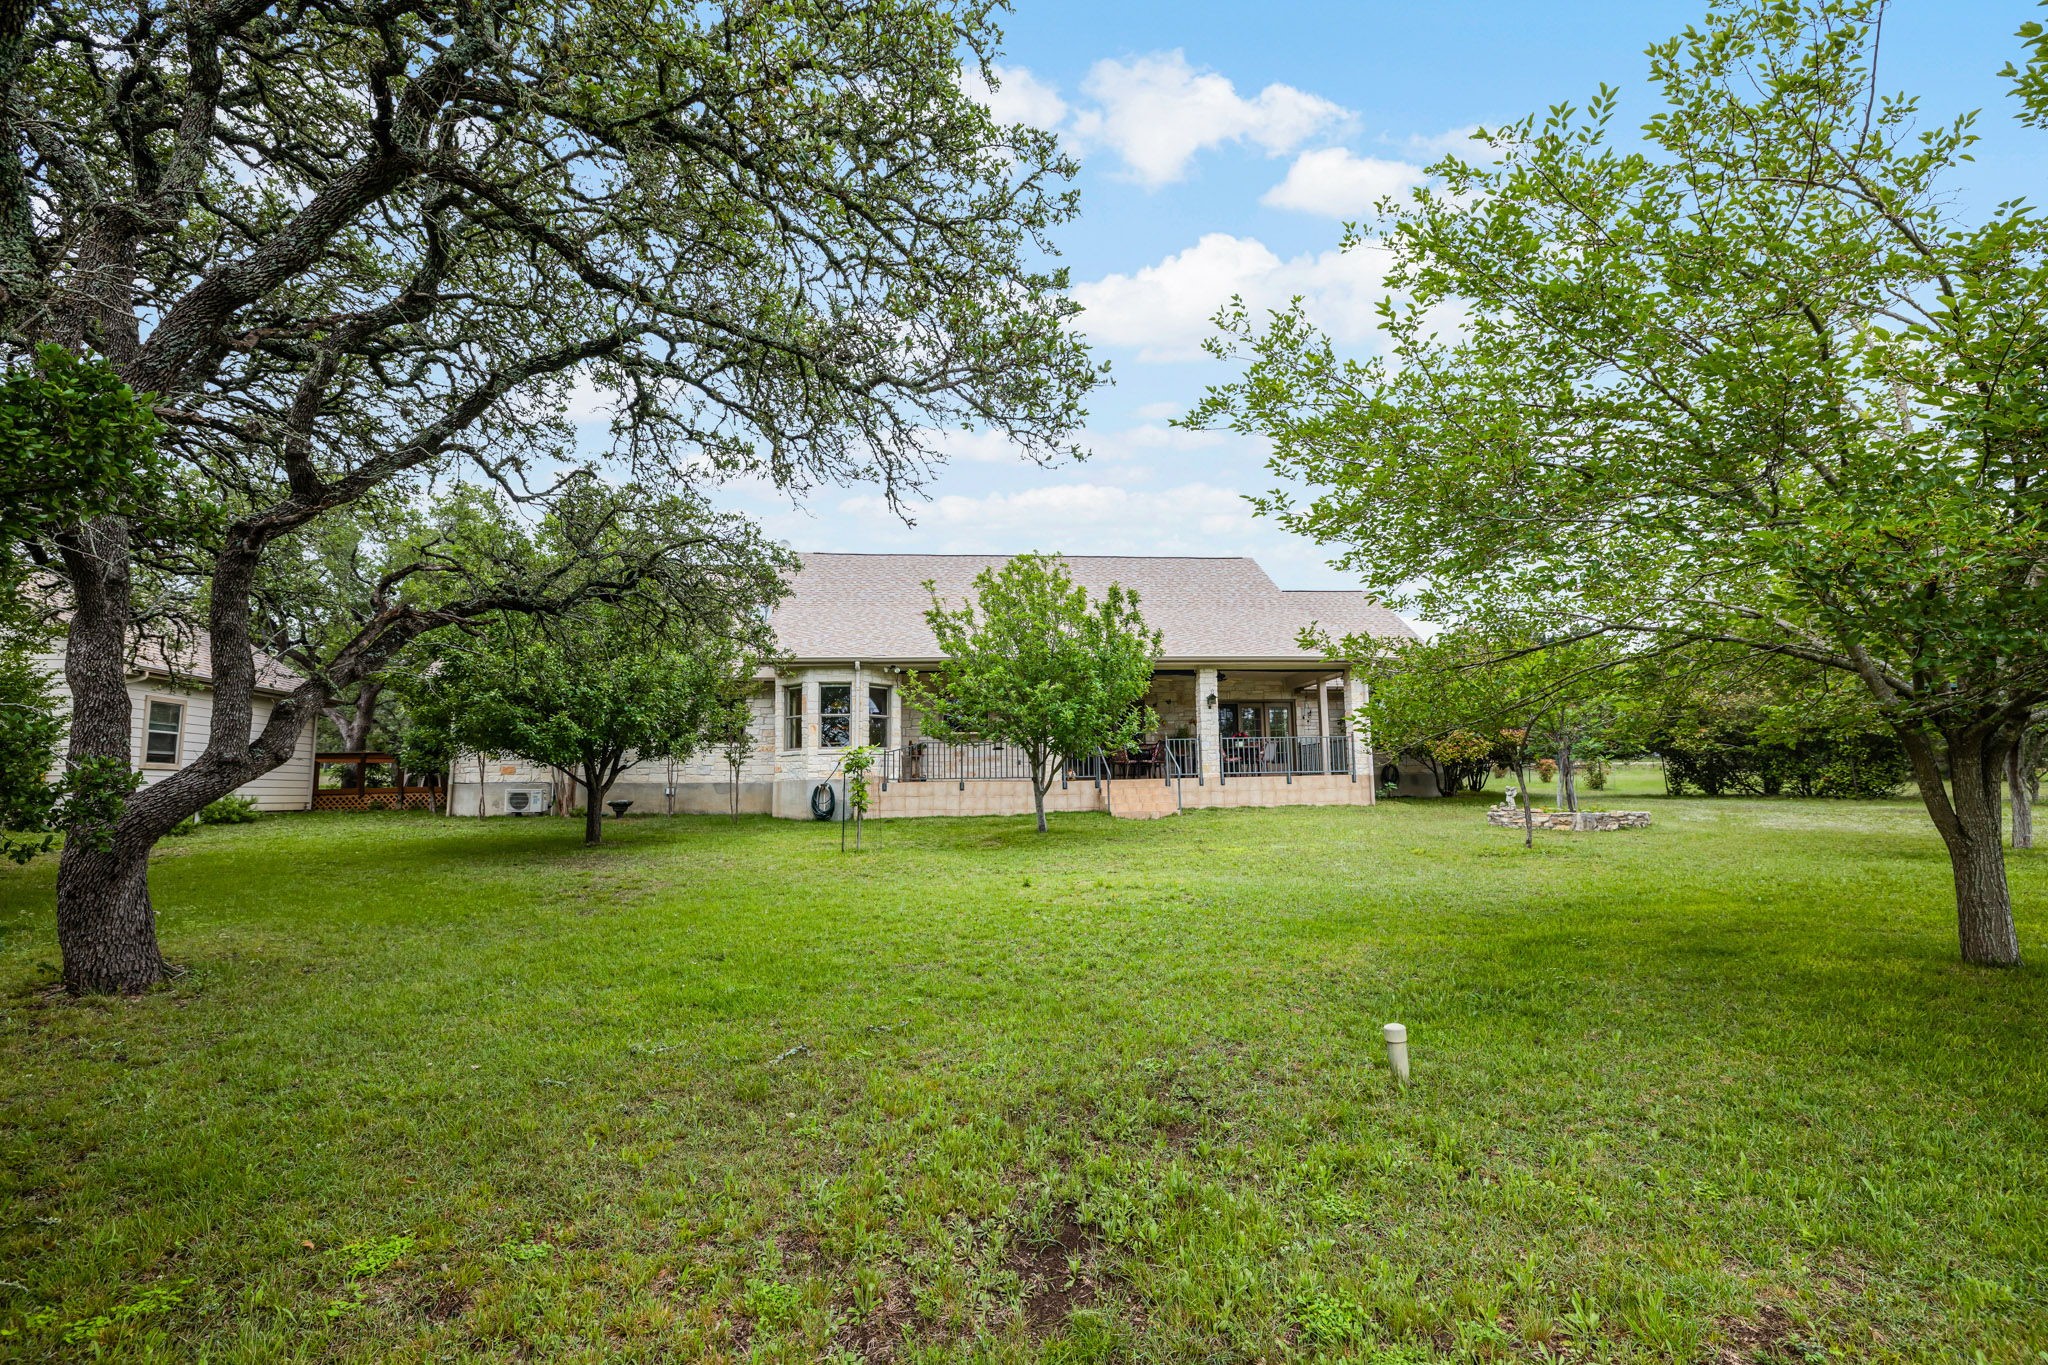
x=871, y=607
x=191, y=661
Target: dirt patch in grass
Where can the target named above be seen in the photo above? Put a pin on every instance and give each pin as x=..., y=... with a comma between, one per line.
x=1057, y=1270
x=1768, y=1336
x=877, y=1336
x=446, y=1306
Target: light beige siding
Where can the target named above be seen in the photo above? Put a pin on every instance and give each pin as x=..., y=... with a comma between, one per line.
x=289, y=786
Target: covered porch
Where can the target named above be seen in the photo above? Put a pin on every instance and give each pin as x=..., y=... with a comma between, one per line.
x=1213, y=724
x=1254, y=722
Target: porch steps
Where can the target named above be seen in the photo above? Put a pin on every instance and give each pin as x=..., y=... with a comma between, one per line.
x=1142, y=799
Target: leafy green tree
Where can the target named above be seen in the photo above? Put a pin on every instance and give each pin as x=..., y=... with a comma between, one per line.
x=75, y=442
x=1518, y=695
x=1752, y=382
x=588, y=694
x=1032, y=661
x=637, y=674
x=1762, y=726
x=2030, y=80
x=360, y=251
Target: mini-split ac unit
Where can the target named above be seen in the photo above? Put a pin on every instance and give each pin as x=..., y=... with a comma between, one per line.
x=528, y=800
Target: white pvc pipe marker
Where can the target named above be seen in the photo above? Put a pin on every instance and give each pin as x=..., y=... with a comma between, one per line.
x=1397, y=1050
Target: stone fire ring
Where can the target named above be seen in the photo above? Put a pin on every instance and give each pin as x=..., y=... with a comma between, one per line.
x=1582, y=821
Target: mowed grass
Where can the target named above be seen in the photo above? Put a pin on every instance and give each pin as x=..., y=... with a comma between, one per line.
x=449, y=1090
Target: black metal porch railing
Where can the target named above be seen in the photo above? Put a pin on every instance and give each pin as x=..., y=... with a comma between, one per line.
x=1294, y=756
x=931, y=761
x=1156, y=760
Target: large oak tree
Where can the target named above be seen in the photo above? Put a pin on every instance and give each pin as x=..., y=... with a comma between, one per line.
x=349, y=251
x=1750, y=379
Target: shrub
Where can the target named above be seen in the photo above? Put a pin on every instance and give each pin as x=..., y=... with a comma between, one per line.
x=1596, y=775
x=1546, y=770
x=184, y=827
x=229, y=810
x=1730, y=761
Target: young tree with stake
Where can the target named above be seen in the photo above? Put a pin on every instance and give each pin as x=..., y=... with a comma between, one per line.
x=1032, y=661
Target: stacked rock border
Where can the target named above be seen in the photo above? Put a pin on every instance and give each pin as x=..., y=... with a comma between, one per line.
x=1509, y=816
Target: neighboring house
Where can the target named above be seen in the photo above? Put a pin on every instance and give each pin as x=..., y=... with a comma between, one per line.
x=170, y=704
x=1247, y=715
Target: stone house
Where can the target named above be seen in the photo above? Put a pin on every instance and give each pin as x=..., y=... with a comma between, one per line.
x=1247, y=715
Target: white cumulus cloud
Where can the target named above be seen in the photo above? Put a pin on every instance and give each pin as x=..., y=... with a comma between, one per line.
x=1157, y=111
x=1078, y=518
x=1338, y=183
x=1164, y=310
x=1016, y=97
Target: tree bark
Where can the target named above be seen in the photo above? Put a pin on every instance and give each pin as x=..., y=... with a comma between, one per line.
x=2022, y=794
x=594, y=788
x=355, y=720
x=1966, y=813
x=106, y=926
x=1528, y=815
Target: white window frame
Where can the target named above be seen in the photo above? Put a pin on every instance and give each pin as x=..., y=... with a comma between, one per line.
x=851, y=714
x=872, y=720
x=792, y=718
x=149, y=701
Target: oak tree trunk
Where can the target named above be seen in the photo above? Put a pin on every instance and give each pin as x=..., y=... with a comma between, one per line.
x=355, y=719
x=106, y=927
x=1967, y=813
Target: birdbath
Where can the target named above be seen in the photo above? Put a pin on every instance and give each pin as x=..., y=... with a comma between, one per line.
x=619, y=808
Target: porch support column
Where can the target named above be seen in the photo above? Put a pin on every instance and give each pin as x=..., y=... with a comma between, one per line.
x=1355, y=696
x=1208, y=734
x=1323, y=725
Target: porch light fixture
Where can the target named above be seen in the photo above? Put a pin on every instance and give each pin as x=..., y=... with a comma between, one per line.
x=1212, y=701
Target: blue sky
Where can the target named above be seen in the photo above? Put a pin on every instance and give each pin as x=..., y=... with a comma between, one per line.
x=1221, y=145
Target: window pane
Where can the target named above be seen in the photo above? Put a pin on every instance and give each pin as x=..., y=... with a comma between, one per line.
x=161, y=743
x=793, y=718
x=878, y=716
x=835, y=715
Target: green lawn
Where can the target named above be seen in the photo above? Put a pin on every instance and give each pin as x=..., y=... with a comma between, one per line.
x=442, y=1089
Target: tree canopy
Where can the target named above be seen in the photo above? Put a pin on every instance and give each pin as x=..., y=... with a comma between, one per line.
x=358, y=254
x=1751, y=381
x=1033, y=661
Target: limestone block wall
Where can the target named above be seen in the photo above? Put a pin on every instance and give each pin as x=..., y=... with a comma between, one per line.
x=1174, y=699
